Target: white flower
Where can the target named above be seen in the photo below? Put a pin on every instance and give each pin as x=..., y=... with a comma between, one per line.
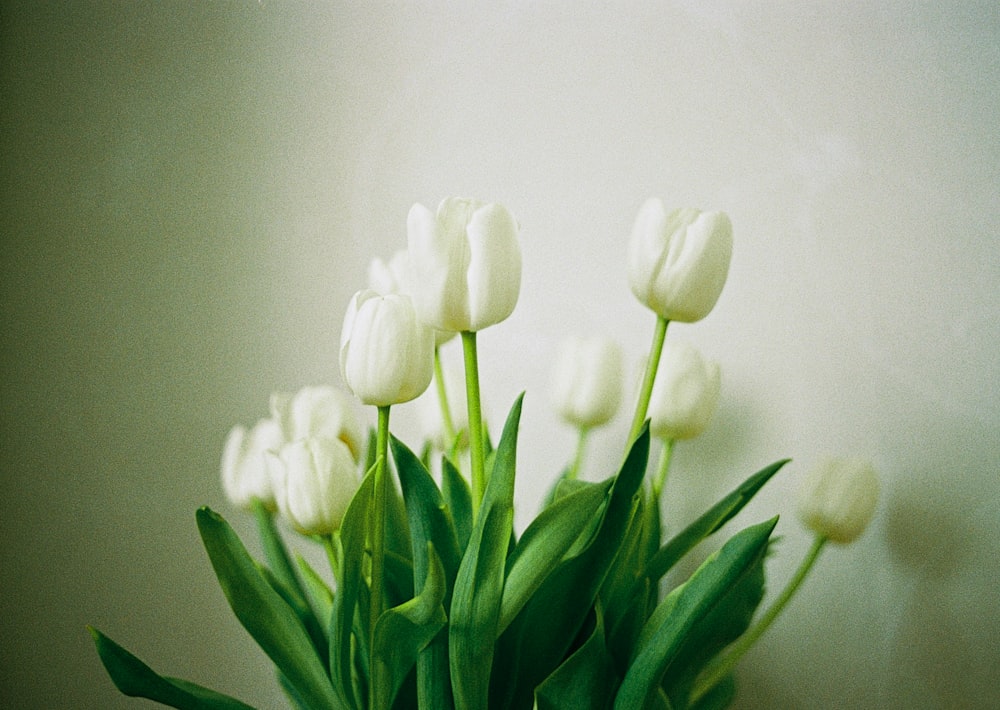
x=314, y=481
x=465, y=264
x=386, y=353
x=685, y=393
x=838, y=498
x=588, y=379
x=678, y=261
x=394, y=277
x=321, y=412
x=244, y=472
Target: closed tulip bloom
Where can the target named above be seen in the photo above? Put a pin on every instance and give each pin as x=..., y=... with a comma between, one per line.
x=837, y=499
x=588, y=381
x=385, y=277
x=394, y=277
x=465, y=264
x=386, y=353
x=314, y=481
x=678, y=260
x=244, y=471
x=685, y=393
x=321, y=412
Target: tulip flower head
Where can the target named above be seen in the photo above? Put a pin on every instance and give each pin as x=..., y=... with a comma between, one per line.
x=685, y=393
x=588, y=381
x=320, y=412
x=393, y=276
x=386, y=353
x=465, y=263
x=314, y=481
x=678, y=261
x=837, y=499
x=244, y=470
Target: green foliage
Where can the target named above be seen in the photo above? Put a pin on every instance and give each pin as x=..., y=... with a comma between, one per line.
x=573, y=614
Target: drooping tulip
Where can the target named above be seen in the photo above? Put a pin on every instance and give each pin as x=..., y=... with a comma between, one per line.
x=588, y=379
x=244, y=471
x=314, y=481
x=678, y=261
x=465, y=264
x=685, y=393
x=386, y=352
x=837, y=499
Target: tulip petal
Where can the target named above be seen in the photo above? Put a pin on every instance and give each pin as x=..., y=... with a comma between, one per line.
x=494, y=272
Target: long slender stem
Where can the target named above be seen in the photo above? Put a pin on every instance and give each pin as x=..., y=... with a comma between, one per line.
x=477, y=445
x=378, y=535
x=726, y=663
x=652, y=364
x=442, y=394
x=331, y=543
x=581, y=445
x=661, y=472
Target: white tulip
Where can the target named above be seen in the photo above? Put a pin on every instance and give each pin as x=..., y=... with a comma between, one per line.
x=394, y=277
x=678, y=261
x=386, y=353
x=465, y=264
x=244, y=472
x=321, y=412
x=685, y=393
x=314, y=481
x=837, y=499
x=588, y=379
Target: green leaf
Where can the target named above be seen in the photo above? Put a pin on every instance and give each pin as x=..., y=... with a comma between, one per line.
x=350, y=600
x=430, y=523
x=263, y=613
x=720, y=696
x=134, y=678
x=719, y=628
x=475, y=606
x=458, y=499
x=587, y=680
x=405, y=630
x=316, y=588
x=538, y=639
x=543, y=544
x=287, y=581
x=717, y=516
x=671, y=624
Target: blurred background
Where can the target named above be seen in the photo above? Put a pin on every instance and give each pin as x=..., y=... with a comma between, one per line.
x=191, y=192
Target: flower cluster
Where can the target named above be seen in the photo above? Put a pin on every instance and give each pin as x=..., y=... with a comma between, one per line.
x=434, y=600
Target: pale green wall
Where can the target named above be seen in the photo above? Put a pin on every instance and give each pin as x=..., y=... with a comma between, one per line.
x=190, y=193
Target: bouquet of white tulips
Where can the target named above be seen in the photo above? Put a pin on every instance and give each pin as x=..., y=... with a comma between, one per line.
x=433, y=599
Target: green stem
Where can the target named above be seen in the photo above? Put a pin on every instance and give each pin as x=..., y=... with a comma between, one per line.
x=581, y=445
x=652, y=364
x=331, y=544
x=477, y=445
x=442, y=393
x=661, y=472
x=717, y=671
x=379, y=493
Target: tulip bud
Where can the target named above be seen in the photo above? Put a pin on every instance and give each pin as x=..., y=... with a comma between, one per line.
x=678, y=261
x=837, y=499
x=244, y=472
x=314, y=481
x=685, y=393
x=394, y=277
x=320, y=412
x=588, y=381
x=465, y=264
x=386, y=354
